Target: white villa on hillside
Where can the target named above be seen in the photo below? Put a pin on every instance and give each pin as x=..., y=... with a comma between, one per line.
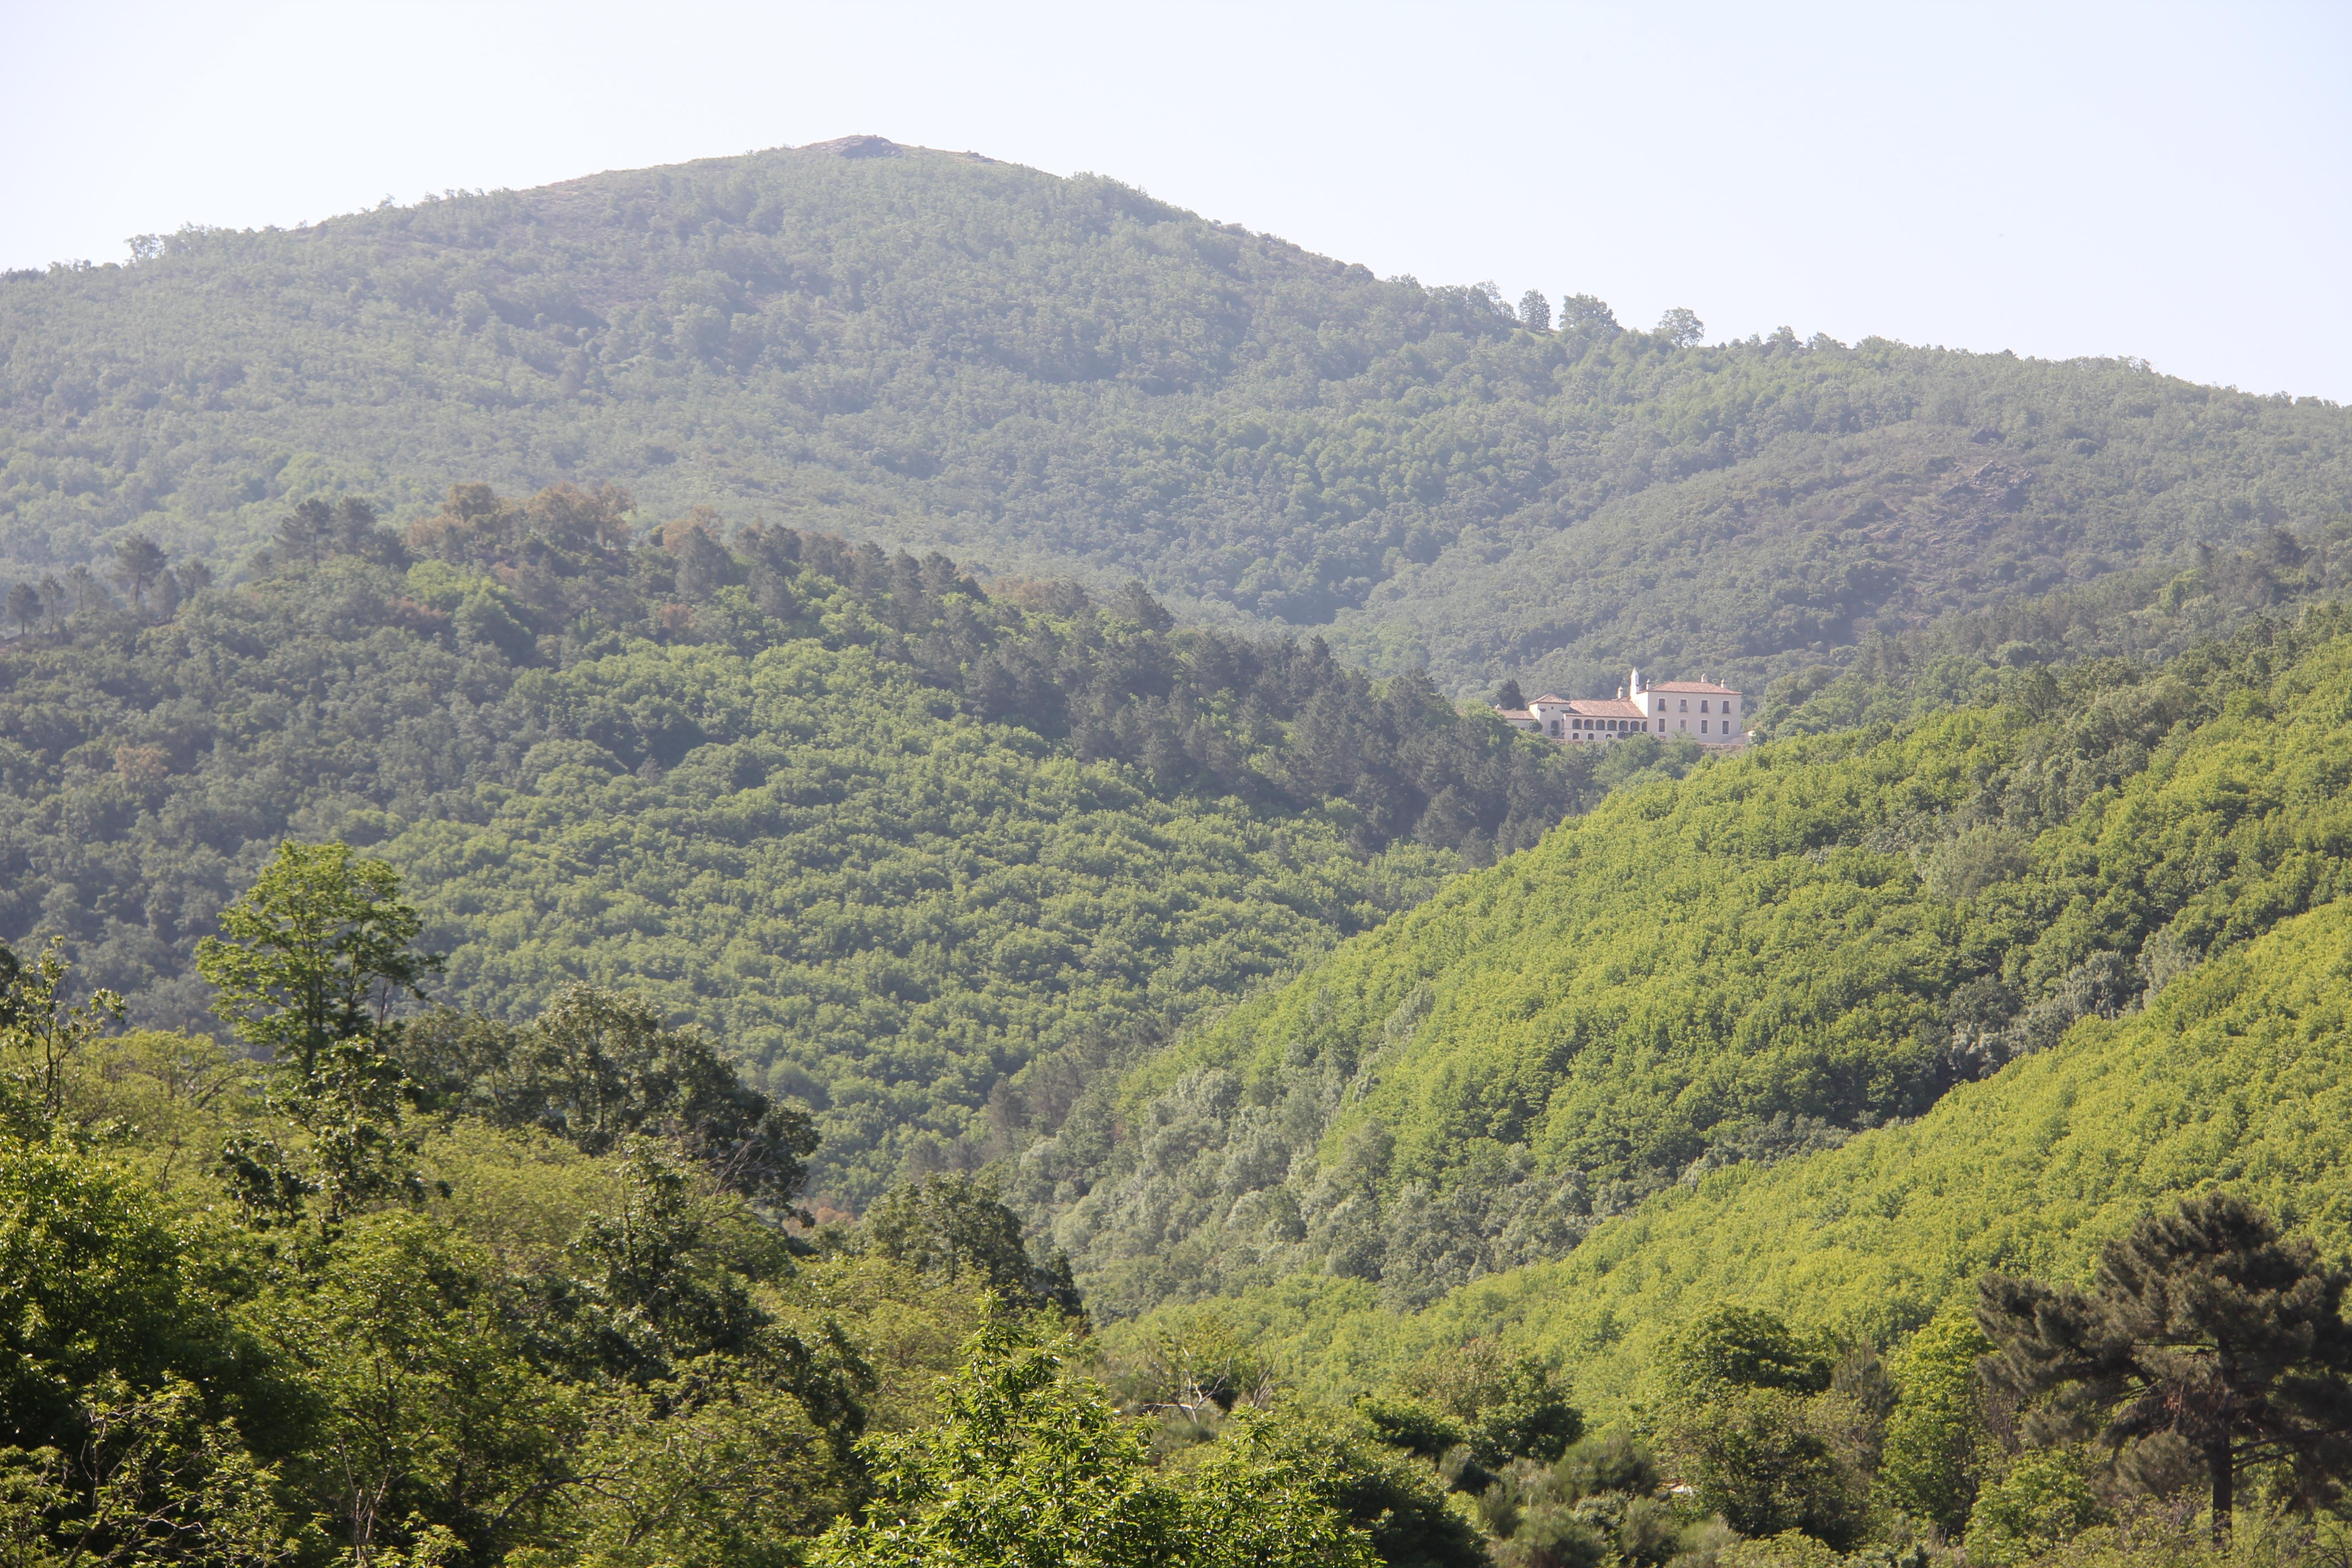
x=1710, y=714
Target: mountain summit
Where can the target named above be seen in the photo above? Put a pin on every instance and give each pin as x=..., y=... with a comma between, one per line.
x=1064, y=377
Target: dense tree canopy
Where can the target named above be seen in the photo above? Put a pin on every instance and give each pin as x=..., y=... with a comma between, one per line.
x=1747, y=966
x=885, y=835
x=1065, y=376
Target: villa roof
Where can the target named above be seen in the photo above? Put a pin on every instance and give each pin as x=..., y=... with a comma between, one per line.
x=1590, y=706
x=1706, y=688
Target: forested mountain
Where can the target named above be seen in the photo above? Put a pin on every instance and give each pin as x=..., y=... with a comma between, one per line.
x=1053, y=376
x=704, y=978
x=887, y=835
x=1619, y=1204
x=2236, y=1072
x=1749, y=966
x=478, y=1291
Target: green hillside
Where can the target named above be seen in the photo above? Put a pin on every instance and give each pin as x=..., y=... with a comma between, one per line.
x=1044, y=375
x=888, y=838
x=2238, y=1074
x=1748, y=967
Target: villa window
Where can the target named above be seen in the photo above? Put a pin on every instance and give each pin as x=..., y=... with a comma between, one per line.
x=1684, y=705
x=1702, y=704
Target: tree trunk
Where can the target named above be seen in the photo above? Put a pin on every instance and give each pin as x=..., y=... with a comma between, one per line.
x=2223, y=1466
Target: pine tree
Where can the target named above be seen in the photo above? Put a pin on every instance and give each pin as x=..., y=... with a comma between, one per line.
x=24, y=605
x=2203, y=1324
x=307, y=531
x=138, y=562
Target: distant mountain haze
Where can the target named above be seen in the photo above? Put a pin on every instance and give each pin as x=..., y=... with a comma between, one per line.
x=1046, y=376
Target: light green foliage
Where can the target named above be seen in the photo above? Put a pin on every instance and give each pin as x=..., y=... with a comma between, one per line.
x=1198, y=1365
x=910, y=1331
x=1928, y=1470
x=42, y=1038
x=90, y=1291
x=2045, y=1499
x=2235, y=1068
x=1398, y=1503
x=1069, y=375
x=566, y=1357
x=1029, y=1466
x=721, y=1468
x=1024, y=1468
x=316, y=953
x=1696, y=980
x=1790, y=1549
x=1268, y=1493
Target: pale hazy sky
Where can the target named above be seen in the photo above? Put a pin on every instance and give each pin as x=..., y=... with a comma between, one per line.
x=2169, y=182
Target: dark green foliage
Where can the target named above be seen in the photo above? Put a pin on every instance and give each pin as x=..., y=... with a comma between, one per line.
x=596, y=1066
x=1733, y=1348
x=1752, y=1442
x=424, y=1413
x=1600, y=1504
x=1509, y=1406
x=956, y=1230
x=883, y=834
x=2203, y=1326
x=2153, y=612
x=1611, y=1461
x=1412, y=1425
x=951, y=353
x=1760, y=1459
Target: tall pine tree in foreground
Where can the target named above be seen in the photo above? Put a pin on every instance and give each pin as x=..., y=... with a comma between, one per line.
x=2203, y=1324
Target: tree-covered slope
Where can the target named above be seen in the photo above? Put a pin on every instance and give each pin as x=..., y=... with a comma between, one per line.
x=2237, y=1075
x=1056, y=375
x=888, y=837
x=1749, y=964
